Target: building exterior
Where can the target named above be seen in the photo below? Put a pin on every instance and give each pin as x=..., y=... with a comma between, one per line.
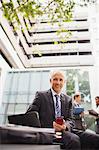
x=40, y=38
x=20, y=50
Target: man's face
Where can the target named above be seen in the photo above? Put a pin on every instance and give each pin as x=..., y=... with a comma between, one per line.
x=97, y=101
x=78, y=98
x=57, y=82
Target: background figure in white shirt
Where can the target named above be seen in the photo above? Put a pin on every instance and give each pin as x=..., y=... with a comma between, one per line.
x=97, y=103
x=97, y=110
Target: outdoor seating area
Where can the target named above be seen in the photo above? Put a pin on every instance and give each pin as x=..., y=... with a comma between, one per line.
x=49, y=74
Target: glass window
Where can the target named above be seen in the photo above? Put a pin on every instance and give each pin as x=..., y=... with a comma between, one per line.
x=20, y=108
x=22, y=98
x=45, y=81
x=31, y=98
x=23, y=80
x=2, y=119
x=5, y=97
x=15, y=83
x=35, y=81
x=11, y=109
x=8, y=81
x=2, y=108
x=12, y=97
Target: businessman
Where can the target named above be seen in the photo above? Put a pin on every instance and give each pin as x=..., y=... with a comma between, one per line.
x=53, y=105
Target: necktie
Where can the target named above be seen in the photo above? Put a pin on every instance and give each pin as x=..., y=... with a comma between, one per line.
x=58, y=111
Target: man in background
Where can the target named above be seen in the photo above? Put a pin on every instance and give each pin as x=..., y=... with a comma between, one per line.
x=95, y=114
x=97, y=110
x=97, y=103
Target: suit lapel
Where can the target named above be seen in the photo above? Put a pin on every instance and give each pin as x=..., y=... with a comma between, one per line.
x=51, y=102
x=63, y=107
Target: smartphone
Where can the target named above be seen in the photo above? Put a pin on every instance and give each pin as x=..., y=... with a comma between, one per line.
x=59, y=120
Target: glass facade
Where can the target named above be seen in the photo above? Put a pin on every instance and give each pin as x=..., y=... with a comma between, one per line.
x=21, y=86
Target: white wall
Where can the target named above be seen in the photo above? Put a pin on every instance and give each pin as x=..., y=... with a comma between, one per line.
x=3, y=69
x=94, y=32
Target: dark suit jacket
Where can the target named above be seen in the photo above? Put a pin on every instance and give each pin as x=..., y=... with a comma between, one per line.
x=44, y=105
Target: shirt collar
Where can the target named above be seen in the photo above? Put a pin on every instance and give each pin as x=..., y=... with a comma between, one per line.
x=76, y=103
x=54, y=93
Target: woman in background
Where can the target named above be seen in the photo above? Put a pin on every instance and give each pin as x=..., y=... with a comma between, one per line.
x=78, y=112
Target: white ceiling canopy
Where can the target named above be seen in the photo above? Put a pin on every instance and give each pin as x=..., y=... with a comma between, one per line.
x=35, y=46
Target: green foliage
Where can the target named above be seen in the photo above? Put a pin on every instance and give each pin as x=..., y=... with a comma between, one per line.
x=59, y=10
x=56, y=10
x=30, y=9
x=10, y=12
x=70, y=81
x=86, y=2
x=83, y=81
x=63, y=34
x=26, y=8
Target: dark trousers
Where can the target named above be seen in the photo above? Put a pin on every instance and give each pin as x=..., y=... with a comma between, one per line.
x=79, y=140
x=88, y=140
x=69, y=141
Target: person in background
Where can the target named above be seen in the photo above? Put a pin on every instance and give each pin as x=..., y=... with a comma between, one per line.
x=95, y=114
x=97, y=110
x=97, y=103
x=78, y=112
x=55, y=110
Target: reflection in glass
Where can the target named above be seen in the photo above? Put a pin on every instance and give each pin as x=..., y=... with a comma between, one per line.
x=11, y=108
x=20, y=108
x=2, y=119
x=22, y=98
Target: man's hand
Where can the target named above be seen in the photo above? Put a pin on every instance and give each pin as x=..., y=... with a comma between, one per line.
x=82, y=114
x=59, y=127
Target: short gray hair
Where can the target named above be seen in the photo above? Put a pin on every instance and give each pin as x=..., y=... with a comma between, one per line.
x=53, y=72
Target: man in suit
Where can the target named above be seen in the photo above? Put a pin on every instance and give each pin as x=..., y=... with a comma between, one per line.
x=45, y=103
